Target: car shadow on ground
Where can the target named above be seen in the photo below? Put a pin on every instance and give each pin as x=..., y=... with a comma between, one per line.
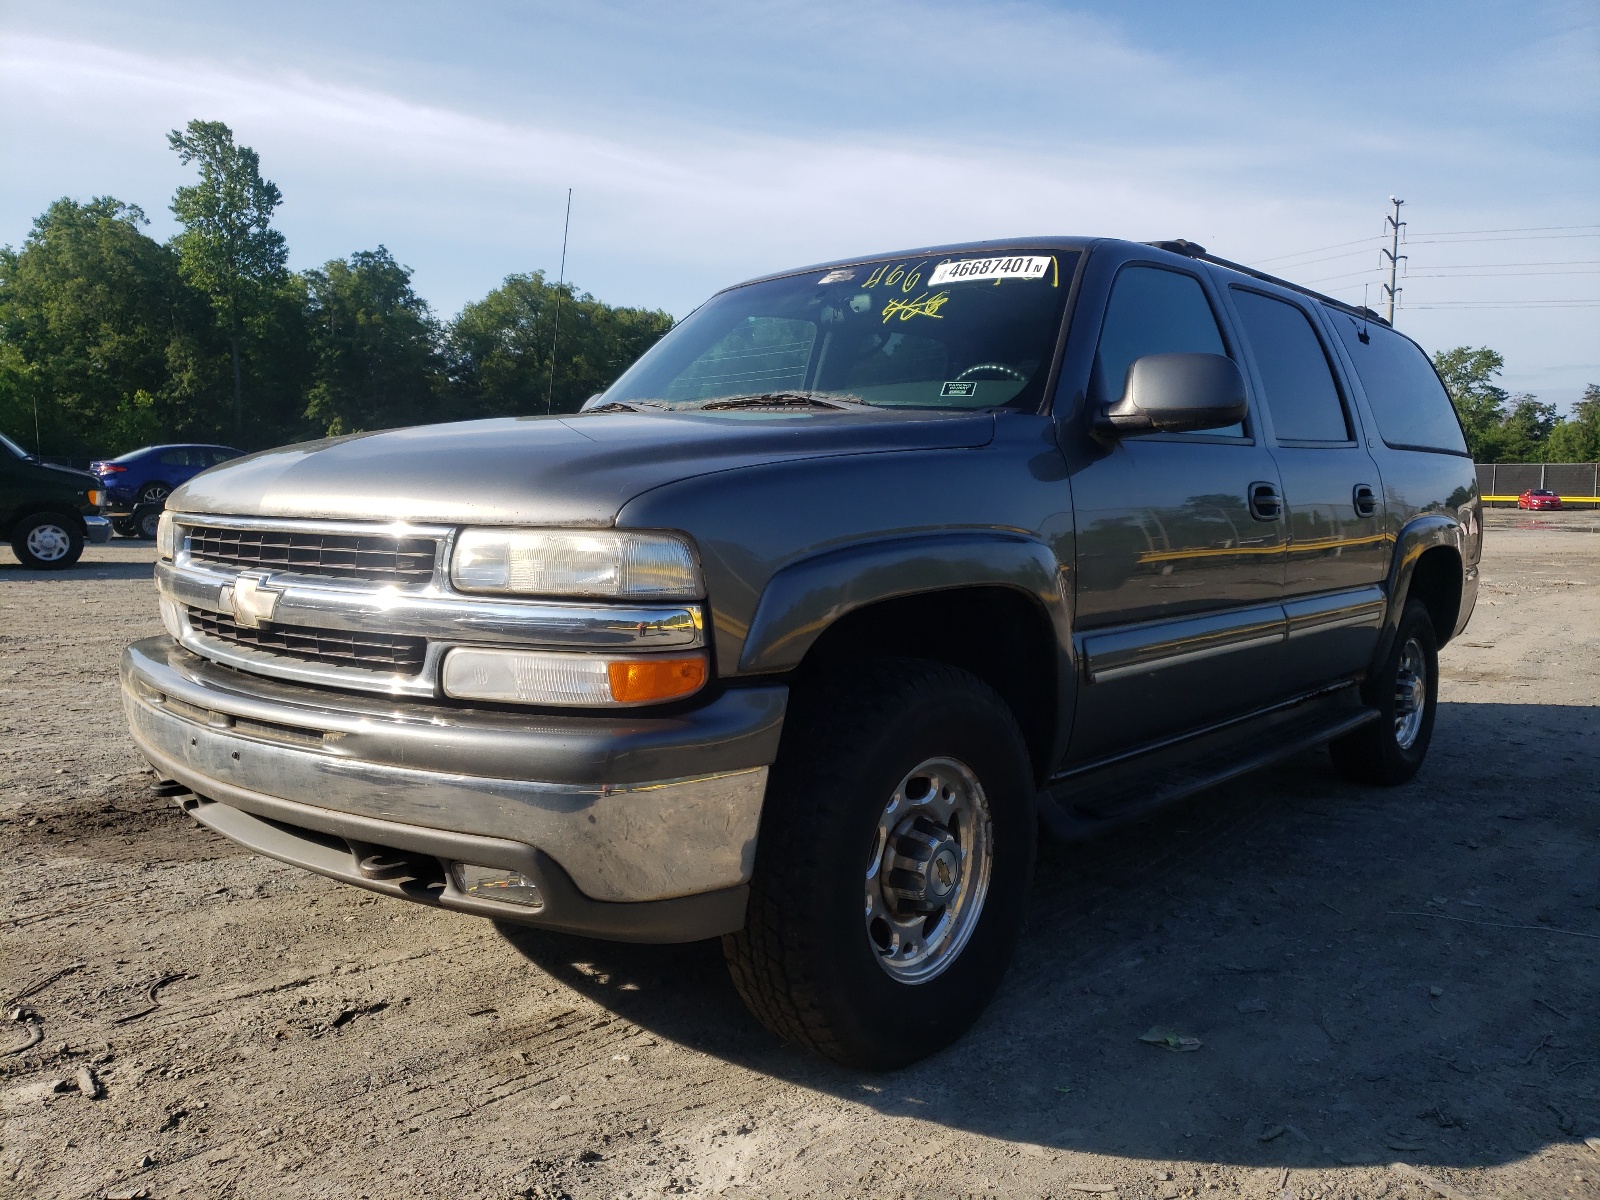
x=1373, y=975
x=80, y=572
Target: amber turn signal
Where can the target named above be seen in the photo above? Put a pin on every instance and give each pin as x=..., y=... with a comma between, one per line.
x=646, y=681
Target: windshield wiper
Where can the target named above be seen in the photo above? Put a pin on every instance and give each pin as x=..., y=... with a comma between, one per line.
x=615, y=406
x=784, y=400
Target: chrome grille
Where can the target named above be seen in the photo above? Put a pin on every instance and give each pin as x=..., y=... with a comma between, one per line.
x=385, y=652
x=377, y=557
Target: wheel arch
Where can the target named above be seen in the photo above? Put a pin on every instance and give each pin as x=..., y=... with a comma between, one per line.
x=1428, y=564
x=987, y=603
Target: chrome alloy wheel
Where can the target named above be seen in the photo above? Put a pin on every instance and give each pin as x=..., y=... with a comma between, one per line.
x=1410, y=694
x=49, y=543
x=929, y=871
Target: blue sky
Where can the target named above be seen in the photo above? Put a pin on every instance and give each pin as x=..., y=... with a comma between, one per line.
x=709, y=142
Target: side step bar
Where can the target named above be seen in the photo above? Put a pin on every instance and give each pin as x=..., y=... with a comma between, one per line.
x=1087, y=803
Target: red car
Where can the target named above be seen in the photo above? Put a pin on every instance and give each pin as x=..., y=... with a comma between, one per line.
x=1539, y=498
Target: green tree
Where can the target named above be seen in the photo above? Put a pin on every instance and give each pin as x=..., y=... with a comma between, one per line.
x=1524, y=427
x=228, y=248
x=1577, y=439
x=1469, y=376
x=93, y=318
x=501, y=347
x=376, y=346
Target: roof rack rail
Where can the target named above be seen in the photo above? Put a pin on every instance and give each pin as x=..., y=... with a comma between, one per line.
x=1195, y=250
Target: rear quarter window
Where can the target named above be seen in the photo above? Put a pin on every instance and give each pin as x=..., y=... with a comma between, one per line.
x=1410, y=405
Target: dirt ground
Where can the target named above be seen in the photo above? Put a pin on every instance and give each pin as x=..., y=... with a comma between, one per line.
x=1397, y=993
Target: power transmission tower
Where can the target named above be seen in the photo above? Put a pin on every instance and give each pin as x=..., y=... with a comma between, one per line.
x=1393, y=225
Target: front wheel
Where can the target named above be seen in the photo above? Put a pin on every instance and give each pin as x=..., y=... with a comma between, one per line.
x=1405, y=691
x=896, y=849
x=47, y=542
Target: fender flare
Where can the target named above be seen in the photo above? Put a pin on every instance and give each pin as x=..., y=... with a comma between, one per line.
x=805, y=597
x=1419, y=535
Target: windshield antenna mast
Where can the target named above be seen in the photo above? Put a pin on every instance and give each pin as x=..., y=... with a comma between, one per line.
x=561, y=279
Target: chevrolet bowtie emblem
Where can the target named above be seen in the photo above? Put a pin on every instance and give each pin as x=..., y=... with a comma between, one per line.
x=249, y=600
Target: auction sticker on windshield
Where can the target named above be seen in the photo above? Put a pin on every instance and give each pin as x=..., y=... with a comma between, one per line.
x=971, y=270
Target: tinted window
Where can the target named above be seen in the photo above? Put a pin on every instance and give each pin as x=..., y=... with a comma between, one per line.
x=1301, y=394
x=220, y=456
x=1154, y=311
x=1408, y=401
x=174, y=458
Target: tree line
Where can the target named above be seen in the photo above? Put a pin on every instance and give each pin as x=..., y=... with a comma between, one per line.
x=110, y=340
x=1504, y=428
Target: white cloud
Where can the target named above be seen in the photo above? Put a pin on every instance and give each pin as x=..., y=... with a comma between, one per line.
x=675, y=197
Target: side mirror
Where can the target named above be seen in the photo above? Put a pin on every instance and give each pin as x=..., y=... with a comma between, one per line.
x=1176, y=393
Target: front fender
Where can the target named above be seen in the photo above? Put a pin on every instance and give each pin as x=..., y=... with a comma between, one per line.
x=805, y=597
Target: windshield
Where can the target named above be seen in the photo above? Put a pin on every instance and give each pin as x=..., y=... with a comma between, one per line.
x=12, y=446
x=945, y=331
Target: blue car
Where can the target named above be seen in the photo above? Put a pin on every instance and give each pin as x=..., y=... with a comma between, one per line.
x=137, y=483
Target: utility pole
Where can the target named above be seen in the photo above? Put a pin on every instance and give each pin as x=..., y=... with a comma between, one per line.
x=561, y=279
x=1393, y=225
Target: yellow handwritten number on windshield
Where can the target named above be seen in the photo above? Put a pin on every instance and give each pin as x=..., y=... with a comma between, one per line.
x=921, y=306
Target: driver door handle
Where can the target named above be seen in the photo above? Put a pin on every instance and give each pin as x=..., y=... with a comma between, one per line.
x=1365, y=500
x=1265, y=502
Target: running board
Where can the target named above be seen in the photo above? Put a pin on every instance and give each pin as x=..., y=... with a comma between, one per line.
x=1088, y=803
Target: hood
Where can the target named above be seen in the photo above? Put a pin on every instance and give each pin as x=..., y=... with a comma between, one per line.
x=68, y=474
x=546, y=470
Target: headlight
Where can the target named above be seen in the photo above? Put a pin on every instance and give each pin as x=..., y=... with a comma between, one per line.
x=541, y=677
x=166, y=537
x=606, y=562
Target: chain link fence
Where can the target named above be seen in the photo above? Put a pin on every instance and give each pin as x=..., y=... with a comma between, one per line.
x=1506, y=481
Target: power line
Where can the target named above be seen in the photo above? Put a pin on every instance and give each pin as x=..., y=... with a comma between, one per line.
x=1460, y=304
x=1524, y=229
x=1500, y=274
x=1319, y=249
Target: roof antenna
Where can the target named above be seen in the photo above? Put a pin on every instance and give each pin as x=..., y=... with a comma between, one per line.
x=1362, y=335
x=561, y=279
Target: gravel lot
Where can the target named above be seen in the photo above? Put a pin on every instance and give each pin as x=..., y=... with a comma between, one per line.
x=1398, y=993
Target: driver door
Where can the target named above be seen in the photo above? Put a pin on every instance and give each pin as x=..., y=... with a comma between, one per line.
x=1180, y=547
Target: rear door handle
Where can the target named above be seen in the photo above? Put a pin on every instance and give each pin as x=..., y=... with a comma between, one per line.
x=1265, y=503
x=1365, y=500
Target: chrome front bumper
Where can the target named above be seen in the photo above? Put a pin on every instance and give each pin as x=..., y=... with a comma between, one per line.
x=630, y=809
x=97, y=529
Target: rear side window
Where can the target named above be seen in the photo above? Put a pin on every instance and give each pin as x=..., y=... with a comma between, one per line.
x=1301, y=393
x=1411, y=407
x=1154, y=311
x=174, y=458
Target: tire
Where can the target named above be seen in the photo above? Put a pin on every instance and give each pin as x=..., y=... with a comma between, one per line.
x=153, y=493
x=146, y=521
x=124, y=527
x=817, y=963
x=1405, y=691
x=47, y=542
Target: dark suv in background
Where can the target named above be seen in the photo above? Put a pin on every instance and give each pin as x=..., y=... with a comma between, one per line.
x=47, y=512
x=802, y=630
x=137, y=483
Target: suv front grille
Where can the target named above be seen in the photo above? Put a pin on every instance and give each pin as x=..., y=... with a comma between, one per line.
x=380, y=558
x=336, y=647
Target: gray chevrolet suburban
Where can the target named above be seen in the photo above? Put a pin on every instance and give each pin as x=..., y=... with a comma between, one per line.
x=800, y=632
